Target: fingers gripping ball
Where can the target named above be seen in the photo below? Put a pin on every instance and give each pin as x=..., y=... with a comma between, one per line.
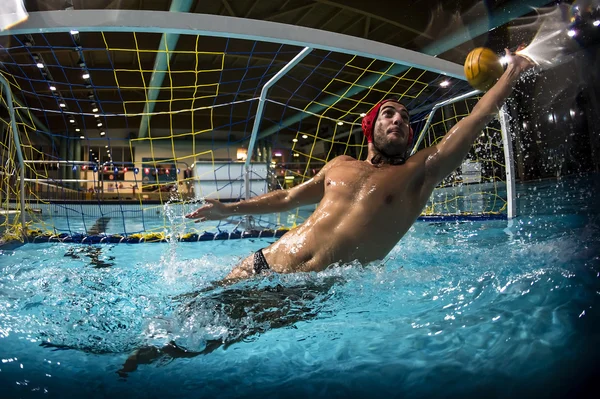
x=483, y=68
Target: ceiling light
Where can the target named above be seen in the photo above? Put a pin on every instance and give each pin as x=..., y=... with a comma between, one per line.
x=363, y=115
x=296, y=154
x=99, y=124
x=39, y=65
x=72, y=120
x=82, y=137
x=77, y=129
x=295, y=140
x=74, y=32
x=571, y=33
x=108, y=151
x=52, y=88
x=85, y=76
x=62, y=105
x=95, y=110
x=445, y=83
x=596, y=22
x=102, y=133
x=105, y=146
x=277, y=154
x=96, y=116
x=340, y=123
x=304, y=136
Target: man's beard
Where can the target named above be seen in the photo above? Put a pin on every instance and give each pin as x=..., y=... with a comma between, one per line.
x=383, y=158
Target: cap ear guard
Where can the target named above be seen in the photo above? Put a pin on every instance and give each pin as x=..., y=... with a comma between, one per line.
x=368, y=122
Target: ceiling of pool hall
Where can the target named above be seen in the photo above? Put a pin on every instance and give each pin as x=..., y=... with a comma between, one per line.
x=411, y=24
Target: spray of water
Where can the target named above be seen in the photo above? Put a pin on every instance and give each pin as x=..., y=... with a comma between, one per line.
x=176, y=227
x=553, y=38
x=174, y=210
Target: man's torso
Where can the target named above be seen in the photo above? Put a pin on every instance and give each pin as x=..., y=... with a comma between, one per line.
x=364, y=212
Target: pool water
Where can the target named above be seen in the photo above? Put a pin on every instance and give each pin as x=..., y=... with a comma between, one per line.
x=475, y=309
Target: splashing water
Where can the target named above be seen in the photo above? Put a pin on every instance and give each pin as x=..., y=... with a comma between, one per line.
x=472, y=309
x=175, y=229
x=552, y=41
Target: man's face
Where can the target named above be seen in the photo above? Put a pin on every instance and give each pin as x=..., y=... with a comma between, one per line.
x=392, y=129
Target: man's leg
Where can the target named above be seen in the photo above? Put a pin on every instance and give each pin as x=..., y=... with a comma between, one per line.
x=146, y=355
x=242, y=271
x=149, y=354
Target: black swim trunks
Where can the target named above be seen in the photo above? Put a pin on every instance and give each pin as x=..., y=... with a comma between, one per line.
x=260, y=263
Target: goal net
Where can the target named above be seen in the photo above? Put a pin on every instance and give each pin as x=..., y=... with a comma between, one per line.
x=122, y=133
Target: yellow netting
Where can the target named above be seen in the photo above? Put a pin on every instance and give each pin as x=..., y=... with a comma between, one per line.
x=478, y=187
x=11, y=226
x=87, y=157
x=482, y=193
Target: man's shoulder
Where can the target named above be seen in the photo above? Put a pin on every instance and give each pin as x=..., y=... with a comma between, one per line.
x=421, y=156
x=338, y=162
x=342, y=159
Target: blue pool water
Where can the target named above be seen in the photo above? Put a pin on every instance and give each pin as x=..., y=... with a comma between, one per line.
x=476, y=309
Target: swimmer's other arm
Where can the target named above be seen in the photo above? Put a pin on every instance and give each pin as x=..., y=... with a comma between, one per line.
x=448, y=154
x=307, y=193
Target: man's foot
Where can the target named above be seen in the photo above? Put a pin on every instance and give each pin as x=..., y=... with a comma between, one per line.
x=141, y=356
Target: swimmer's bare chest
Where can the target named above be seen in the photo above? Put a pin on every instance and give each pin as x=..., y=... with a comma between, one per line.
x=365, y=210
x=385, y=188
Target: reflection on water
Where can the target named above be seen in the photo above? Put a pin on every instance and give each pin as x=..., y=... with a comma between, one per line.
x=95, y=254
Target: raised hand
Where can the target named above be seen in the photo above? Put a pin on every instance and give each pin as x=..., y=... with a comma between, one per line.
x=520, y=61
x=211, y=210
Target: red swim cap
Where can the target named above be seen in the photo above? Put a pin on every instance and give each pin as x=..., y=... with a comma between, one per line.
x=368, y=122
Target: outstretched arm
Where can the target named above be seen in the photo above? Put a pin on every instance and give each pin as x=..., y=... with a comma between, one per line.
x=449, y=153
x=309, y=192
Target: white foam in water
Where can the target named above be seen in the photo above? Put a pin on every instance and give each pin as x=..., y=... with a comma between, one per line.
x=176, y=227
